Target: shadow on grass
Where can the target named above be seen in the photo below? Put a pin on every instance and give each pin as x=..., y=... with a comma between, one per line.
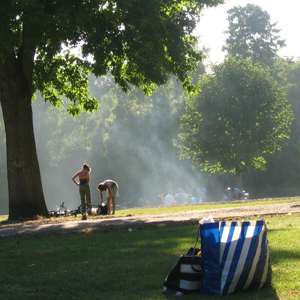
x=111, y=262
x=266, y=293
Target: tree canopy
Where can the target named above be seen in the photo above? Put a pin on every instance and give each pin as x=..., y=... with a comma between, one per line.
x=240, y=113
x=140, y=42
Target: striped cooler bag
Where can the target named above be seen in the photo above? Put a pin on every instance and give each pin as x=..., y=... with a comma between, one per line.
x=185, y=276
x=235, y=257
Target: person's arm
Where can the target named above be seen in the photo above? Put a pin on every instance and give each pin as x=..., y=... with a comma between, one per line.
x=101, y=196
x=74, y=177
x=88, y=178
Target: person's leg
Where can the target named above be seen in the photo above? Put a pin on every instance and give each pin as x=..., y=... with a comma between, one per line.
x=114, y=204
x=88, y=194
x=88, y=197
x=115, y=193
x=108, y=203
x=82, y=192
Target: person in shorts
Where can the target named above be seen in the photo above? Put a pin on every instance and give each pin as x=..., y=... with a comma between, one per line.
x=112, y=191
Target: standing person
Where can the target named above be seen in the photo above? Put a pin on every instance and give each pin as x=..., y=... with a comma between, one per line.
x=169, y=199
x=180, y=196
x=84, y=186
x=236, y=194
x=201, y=193
x=113, y=192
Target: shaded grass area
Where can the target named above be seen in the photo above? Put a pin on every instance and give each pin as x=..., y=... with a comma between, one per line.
x=129, y=263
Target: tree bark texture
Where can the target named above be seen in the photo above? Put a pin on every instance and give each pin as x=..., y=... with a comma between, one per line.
x=26, y=197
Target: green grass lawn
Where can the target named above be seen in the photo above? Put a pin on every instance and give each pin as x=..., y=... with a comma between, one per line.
x=182, y=208
x=202, y=206
x=129, y=264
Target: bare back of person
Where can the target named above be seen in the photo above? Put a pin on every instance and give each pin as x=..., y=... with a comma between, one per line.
x=83, y=174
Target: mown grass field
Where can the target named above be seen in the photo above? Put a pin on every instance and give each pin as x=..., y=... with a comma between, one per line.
x=128, y=264
x=181, y=208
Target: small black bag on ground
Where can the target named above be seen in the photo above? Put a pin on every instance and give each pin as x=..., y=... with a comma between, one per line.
x=186, y=275
x=103, y=209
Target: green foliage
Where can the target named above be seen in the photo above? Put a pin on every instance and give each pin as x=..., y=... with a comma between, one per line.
x=139, y=141
x=130, y=139
x=252, y=35
x=291, y=72
x=64, y=139
x=65, y=76
x=240, y=113
x=140, y=42
x=283, y=167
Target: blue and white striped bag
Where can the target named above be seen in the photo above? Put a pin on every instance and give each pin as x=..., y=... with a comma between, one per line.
x=235, y=257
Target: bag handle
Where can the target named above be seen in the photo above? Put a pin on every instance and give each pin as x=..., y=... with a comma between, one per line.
x=194, y=250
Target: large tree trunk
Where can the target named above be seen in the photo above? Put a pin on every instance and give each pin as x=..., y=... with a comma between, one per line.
x=239, y=180
x=26, y=198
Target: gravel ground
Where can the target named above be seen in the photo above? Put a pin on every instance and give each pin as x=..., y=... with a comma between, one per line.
x=65, y=225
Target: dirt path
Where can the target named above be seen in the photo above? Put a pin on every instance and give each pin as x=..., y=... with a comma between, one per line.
x=62, y=225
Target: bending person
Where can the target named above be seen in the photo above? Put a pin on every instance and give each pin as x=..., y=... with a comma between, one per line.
x=84, y=186
x=111, y=194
